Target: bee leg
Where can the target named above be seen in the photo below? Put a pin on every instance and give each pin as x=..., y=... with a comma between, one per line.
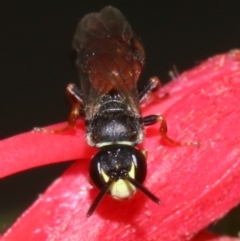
x=75, y=98
x=153, y=84
x=152, y=119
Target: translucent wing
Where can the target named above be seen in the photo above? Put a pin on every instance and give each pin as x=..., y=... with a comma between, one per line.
x=108, y=59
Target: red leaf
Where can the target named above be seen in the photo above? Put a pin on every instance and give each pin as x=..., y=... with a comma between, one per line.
x=33, y=149
x=196, y=185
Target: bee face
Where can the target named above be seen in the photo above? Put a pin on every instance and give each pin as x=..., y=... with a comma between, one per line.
x=117, y=163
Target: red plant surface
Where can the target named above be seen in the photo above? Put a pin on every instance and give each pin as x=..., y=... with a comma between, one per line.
x=196, y=185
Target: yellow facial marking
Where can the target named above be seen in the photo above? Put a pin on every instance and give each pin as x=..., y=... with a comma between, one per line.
x=121, y=189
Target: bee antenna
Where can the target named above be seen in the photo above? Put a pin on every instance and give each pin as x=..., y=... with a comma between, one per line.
x=99, y=197
x=143, y=189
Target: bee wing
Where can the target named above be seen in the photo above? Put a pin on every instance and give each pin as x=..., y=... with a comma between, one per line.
x=109, y=59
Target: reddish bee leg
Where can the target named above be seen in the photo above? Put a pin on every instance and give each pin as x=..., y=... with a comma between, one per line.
x=75, y=99
x=153, y=84
x=152, y=119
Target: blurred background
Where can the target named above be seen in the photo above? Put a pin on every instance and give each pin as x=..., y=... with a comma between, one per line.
x=36, y=65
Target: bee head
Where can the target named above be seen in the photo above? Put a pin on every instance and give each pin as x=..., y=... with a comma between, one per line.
x=118, y=170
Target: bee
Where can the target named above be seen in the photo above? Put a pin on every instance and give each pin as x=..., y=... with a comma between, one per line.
x=109, y=62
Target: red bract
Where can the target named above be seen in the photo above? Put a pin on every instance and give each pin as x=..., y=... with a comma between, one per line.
x=196, y=185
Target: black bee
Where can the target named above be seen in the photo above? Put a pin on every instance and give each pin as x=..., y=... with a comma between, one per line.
x=109, y=63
